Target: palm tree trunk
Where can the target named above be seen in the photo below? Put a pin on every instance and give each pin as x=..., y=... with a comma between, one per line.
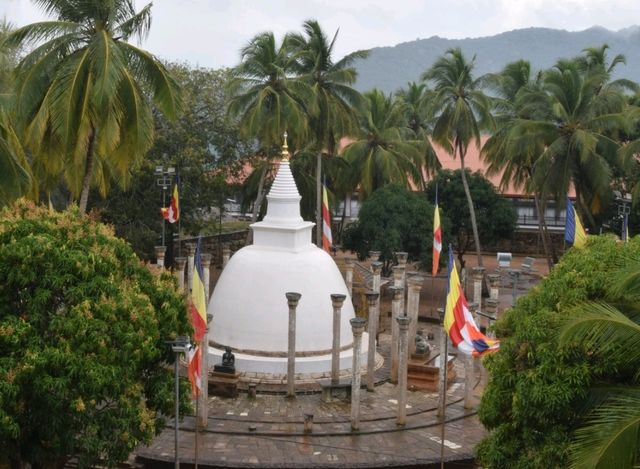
x=472, y=211
x=257, y=204
x=542, y=227
x=319, y=199
x=88, y=174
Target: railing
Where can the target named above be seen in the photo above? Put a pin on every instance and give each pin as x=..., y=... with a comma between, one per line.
x=530, y=220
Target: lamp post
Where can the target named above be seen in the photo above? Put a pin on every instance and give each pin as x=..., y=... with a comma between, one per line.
x=181, y=344
x=165, y=176
x=623, y=201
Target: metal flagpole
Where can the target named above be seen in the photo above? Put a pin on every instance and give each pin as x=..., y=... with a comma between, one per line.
x=196, y=429
x=433, y=294
x=444, y=397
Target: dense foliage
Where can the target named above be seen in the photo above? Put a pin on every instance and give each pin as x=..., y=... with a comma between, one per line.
x=393, y=219
x=538, y=392
x=84, y=93
x=204, y=147
x=83, y=362
x=496, y=216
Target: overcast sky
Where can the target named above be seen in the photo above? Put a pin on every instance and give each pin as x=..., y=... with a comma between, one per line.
x=210, y=33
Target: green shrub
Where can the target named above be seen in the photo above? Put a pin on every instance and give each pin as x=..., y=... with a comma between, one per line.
x=83, y=363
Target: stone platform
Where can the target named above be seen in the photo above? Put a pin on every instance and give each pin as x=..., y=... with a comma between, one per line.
x=268, y=431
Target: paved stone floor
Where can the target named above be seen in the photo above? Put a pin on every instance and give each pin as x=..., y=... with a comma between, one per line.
x=268, y=431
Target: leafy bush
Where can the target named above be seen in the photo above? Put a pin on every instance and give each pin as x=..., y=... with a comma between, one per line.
x=538, y=392
x=393, y=219
x=83, y=363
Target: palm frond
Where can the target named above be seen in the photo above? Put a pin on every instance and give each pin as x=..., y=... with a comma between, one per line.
x=609, y=437
x=602, y=328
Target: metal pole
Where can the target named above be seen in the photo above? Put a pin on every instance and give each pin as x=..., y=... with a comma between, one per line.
x=196, y=431
x=444, y=400
x=164, y=203
x=177, y=384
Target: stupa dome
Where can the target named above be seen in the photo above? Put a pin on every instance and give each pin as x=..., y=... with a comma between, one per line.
x=249, y=307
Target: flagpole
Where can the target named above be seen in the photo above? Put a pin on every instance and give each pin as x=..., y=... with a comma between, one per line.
x=444, y=397
x=196, y=428
x=433, y=293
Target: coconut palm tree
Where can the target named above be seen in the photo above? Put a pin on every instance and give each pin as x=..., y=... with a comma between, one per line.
x=332, y=103
x=385, y=150
x=503, y=150
x=83, y=88
x=575, y=126
x=15, y=177
x=461, y=109
x=418, y=112
x=267, y=101
x=608, y=437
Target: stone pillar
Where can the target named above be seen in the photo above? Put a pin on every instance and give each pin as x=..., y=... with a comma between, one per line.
x=478, y=275
x=396, y=312
x=515, y=275
x=160, y=252
x=376, y=269
x=374, y=256
x=203, y=408
x=357, y=327
x=292, y=300
x=191, y=254
x=226, y=255
x=442, y=372
x=402, y=257
x=492, y=310
x=348, y=274
x=468, y=381
x=179, y=270
x=414, y=284
x=336, y=301
x=403, y=326
x=494, y=284
x=374, y=313
x=398, y=281
x=206, y=270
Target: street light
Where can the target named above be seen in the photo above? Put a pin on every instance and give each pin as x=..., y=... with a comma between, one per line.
x=623, y=202
x=165, y=177
x=181, y=344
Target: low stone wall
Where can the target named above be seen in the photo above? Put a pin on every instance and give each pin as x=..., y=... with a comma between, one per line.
x=526, y=243
x=213, y=244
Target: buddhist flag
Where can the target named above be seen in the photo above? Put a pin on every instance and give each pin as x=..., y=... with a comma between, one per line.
x=625, y=228
x=437, y=239
x=198, y=304
x=172, y=212
x=327, y=240
x=458, y=321
x=574, y=233
x=194, y=369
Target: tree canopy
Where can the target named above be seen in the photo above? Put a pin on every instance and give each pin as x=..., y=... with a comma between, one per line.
x=83, y=363
x=538, y=392
x=84, y=92
x=496, y=216
x=393, y=219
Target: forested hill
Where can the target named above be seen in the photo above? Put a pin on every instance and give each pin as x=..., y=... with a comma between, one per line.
x=390, y=68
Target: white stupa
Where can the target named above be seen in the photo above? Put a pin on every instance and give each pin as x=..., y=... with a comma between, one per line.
x=249, y=307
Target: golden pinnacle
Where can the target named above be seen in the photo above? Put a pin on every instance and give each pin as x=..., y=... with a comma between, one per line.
x=285, y=148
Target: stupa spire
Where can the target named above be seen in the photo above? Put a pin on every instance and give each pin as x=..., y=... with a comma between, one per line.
x=285, y=148
x=283, y=211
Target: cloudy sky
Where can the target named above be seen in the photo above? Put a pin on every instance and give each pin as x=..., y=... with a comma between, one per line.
x=211, y=32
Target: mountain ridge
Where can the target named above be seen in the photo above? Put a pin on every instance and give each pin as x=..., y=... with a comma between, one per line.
x=389, y=68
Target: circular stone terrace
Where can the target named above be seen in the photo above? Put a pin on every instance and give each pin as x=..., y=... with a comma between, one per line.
x=268, y=431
